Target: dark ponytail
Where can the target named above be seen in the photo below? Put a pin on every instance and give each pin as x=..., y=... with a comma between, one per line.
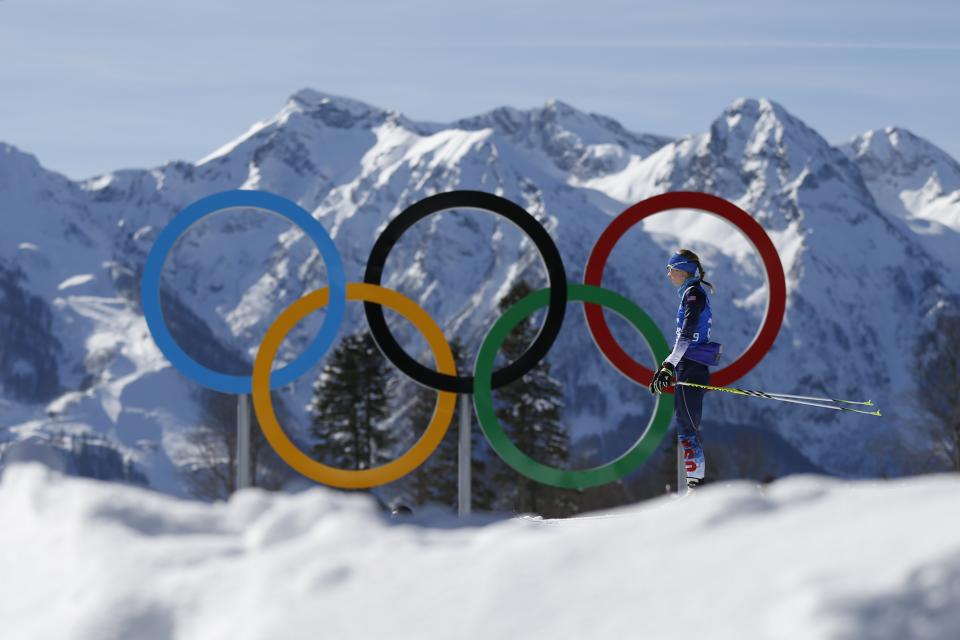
x=690, y=255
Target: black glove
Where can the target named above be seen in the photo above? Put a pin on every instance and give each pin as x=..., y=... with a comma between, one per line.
x=662, y=378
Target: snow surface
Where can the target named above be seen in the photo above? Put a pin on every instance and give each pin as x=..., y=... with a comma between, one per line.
x=805, y=557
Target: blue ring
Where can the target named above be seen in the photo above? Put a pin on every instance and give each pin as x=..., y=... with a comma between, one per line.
x=150, y=288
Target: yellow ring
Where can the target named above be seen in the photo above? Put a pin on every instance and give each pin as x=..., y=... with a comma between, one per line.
x=332, y=476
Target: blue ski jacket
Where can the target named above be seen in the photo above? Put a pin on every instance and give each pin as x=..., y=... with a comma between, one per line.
x=694, y=320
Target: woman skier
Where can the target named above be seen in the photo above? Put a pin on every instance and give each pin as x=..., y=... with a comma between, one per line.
x=692, y=353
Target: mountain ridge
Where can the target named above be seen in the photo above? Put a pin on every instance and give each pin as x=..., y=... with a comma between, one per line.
x=354, y=166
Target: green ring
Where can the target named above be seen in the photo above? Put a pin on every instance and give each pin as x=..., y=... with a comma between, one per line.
x=483, y=399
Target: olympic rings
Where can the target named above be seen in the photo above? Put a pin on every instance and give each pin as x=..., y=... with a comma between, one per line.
x=445, y=378
x=776, y=281
x=150, y=288
x=345, y=478
x=486, y=202
x=511, y=454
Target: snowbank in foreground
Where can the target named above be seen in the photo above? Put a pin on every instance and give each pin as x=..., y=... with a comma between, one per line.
x=808, y=557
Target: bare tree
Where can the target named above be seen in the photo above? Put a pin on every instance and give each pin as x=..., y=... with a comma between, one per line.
x=213, y=474
x=937, y=366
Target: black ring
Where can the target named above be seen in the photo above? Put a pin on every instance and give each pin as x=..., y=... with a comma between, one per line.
x=516, y=214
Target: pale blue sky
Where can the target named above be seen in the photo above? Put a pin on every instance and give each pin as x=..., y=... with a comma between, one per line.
x=100, y=85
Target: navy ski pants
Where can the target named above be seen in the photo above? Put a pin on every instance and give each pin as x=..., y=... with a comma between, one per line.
x=688, y=407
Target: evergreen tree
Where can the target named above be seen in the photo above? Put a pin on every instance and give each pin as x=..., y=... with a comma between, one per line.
x=530, y=410
x=936, y=367
x=437, y=480
x=484, y=464
x=350, y=404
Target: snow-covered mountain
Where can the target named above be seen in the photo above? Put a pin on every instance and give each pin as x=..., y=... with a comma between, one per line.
x=913, y=181
x=862, y=280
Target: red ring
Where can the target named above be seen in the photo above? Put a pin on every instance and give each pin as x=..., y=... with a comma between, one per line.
x=776, y=281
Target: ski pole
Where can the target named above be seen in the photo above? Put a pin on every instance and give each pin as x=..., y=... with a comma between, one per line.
x=763, y=394
x=781, y=398
x=868, y=403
